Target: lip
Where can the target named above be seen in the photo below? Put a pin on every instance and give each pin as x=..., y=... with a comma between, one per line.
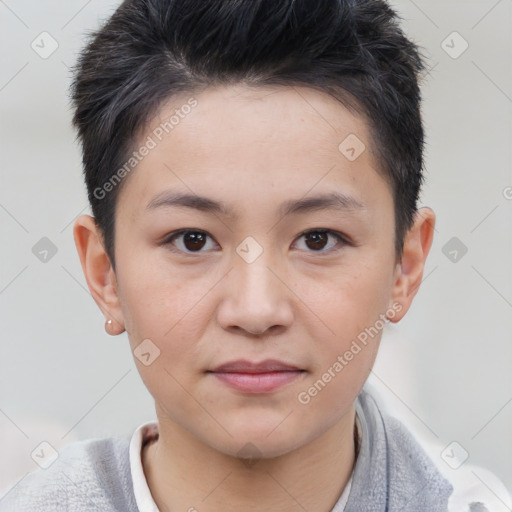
x=266, y=366
x=251, y=377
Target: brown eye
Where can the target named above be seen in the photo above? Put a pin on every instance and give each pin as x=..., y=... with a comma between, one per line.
x=194, y=241
x=188, y=241
x=318, y=239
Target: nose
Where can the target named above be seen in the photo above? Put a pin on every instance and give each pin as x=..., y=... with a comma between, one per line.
x=256, y=299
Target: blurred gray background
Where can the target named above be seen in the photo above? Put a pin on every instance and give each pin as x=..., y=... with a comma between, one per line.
x=445, y=370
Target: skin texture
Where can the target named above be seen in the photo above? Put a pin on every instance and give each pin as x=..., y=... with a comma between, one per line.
x=302, y=301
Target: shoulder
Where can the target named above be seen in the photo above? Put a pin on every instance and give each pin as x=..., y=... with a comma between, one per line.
x=392, y=472
x=404, y=452
x=470, y=488
x=93, y=474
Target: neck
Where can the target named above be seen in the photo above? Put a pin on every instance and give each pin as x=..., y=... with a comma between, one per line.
x=184, y=474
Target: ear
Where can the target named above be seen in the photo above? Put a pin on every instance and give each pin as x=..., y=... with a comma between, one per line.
x=98, y=271
x=409, y=272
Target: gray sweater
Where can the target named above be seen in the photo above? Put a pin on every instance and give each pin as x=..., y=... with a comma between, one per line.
x=392, y=473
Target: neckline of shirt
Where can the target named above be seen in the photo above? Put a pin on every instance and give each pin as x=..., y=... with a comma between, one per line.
x=148, y=432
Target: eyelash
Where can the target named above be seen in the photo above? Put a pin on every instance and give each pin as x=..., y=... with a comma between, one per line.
x=341, y=239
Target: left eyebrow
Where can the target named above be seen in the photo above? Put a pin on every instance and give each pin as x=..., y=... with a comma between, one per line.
x=332, y=201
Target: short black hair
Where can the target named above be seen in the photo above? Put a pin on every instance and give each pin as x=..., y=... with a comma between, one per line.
x=150, y=50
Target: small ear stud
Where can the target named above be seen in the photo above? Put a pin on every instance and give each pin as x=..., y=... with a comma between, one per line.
x=109, y=327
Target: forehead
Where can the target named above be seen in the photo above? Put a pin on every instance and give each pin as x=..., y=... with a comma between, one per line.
x=249, y=146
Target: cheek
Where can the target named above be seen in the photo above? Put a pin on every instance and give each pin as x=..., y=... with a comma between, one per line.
x=350, y=308
x=156, y=298
x=174, y=313
x=350, y=299
x=167, y=311
x=345, y=353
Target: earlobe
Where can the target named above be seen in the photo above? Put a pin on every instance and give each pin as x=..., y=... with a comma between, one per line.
x=98, y=271
x=409, y=273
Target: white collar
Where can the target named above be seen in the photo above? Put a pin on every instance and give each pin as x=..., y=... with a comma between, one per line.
x=143, y=498
x=145, y=503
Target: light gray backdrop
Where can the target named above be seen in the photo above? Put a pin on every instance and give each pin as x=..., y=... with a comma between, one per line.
x=445, y=369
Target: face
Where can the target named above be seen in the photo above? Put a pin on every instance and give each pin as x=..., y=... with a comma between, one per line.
x=255, y=289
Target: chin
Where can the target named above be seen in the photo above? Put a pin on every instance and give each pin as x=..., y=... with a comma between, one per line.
x=250, y=450
x=255, y=441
